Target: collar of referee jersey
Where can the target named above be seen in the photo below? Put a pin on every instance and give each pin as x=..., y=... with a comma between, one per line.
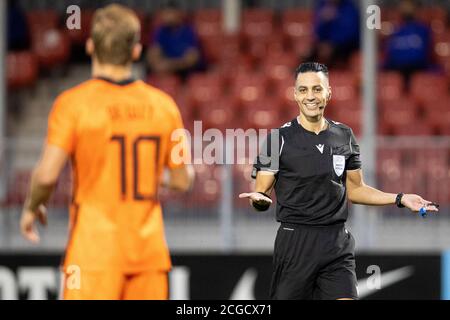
x=118, y=83
x=324, y=131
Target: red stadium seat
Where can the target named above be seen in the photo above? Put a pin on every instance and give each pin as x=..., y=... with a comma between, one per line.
x=435, y=17
x=205, y=87
x=263, y=113
x=436, y=174
x=428, y=86
x=222, y=48
x=302, y=45
x=249, y=86
x=428, y=14
x=403, y=104
x=210, y=48
x=18, y=187
x=144, y=21
x=207, y=22
x=230, y=69
x=442, y=47
x=207, y=186
x=394, y=113
x=417, y=128
x=432, y=164
x=219, y=114
x=187, y=109
x=284, y=89
x=344, y=85
x=280, y=66
x=52, y=47
x=383, y=128
x=261, y=46
x=257, y=22
x=349, y=113
x=42, y=20
x=390, y=86
x=21, y=69
x=389, y=166
x=297, y=22
x=444, y=129
x=390, y=19
x=297, y=26
x=412, y=179
x=79, y=36
x=168, y=83
x=356, y=64
x=437, y=115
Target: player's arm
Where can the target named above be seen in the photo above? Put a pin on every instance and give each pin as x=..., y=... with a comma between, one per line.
x=188, y=60
x=161, y=63
x=260, y=198
x=43, y=180
x=360, y=193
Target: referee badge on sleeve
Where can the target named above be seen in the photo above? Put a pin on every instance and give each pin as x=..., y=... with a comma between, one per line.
x=338, y=164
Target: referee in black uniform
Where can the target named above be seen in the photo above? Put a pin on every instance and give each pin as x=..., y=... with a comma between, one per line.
x=314, y=165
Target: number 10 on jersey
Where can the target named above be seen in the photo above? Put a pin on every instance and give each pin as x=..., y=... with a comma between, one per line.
x=136, y=146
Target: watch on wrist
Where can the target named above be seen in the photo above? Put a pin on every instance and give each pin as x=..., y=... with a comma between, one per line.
x=398, y=200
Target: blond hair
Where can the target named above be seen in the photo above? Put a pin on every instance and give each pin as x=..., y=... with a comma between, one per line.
x=115, y=31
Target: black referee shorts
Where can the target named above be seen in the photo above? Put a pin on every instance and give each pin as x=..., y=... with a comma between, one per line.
x=313, y=262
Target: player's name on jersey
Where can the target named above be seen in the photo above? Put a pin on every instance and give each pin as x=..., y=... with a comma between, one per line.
x=121, y=112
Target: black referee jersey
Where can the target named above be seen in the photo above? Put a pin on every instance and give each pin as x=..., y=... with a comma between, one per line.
x=310, y=171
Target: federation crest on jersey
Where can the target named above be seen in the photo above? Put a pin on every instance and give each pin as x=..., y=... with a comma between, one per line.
x=338, y=164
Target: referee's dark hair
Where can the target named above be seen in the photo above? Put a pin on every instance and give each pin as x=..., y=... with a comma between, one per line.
x=311, y=67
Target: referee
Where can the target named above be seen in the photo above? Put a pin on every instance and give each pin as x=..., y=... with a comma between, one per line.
x=314, y=165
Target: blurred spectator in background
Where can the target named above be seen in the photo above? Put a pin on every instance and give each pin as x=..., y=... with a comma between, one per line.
x=175, y=47
x=336, y=26
x=409, y=48
x=18, y=34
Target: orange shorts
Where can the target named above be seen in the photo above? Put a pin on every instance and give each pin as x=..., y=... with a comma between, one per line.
x=114, y=285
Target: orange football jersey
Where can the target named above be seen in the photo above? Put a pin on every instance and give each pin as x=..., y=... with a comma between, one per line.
x=119, y=139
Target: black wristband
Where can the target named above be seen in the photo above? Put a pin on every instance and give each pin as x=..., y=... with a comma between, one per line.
x=259, y=206
x=398, y=200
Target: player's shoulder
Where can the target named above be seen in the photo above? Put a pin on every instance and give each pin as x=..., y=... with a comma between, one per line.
x=341, y=127
x=155, y=91
x=158, y=94
x=166, y=103
x=75, y=94
x=286, y=126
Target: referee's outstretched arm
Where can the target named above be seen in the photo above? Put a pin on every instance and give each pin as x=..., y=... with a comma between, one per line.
x=360, y=193
x=260, y=199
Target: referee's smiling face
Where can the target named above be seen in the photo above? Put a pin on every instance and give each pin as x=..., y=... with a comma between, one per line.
x=312, y=93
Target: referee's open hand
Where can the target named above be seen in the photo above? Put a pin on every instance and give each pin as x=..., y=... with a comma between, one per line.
x=416, y=202
x=256, y=197
x=258, y=200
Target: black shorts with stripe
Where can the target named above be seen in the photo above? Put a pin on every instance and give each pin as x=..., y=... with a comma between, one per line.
x=313, y=263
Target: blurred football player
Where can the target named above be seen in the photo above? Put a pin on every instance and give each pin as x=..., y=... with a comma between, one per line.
x=117, y=133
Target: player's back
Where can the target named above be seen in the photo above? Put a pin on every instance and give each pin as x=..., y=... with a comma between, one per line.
x=119, y=142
